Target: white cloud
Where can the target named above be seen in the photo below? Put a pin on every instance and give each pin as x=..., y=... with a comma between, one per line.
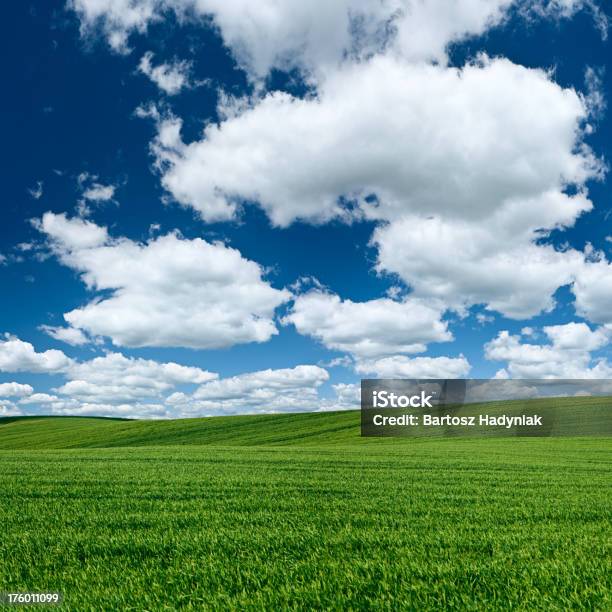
x=316, y=35
x=348, y=393
x=368, y=329
x=37, y=191
x=567, y=356
x=117, y=385
x=112, y=385
x=71, y=234
x=169, y=291
x=131, y=410
x=121, y=386
x=117, y=378
x=469, y=166
x=99, y=193
x=566, y=9
x=337, y=362
x=117, y=17
x=38, y=398
x=465, y=263
x=14, y=389
x=484, y=319
x=93, y=193
x=19, y=356
x=593, y=291
x=342, y=138
x=243, y=385
x=347, y=396
x=577, y=336
x=400, y=366
x=265, y=391
x=170, y=77
x=69, y=335
x=129, y=370
x=595, y=97
x=9, y=409
x=464, y=214
x=305, y=35
x=313, y=36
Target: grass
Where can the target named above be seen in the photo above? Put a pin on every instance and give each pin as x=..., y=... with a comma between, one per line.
x=298, y=512
x=306, y=429
x=79, y=432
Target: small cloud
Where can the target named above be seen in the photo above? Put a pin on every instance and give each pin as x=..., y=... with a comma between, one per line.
x=13, y=389
x=338, y=362
x=38, y=398
x=37, y=191
x=394, y=292
x=69, y=335
x=99, y=193
x=484, y=318
x=93, y=193
x=592, y=254
x=304, y=283
x=148, y=111
x=170, y=77
x=595, y=99
x=28, y=250
x=154, y=229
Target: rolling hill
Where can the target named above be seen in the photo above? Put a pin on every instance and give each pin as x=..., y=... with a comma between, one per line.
x=297, y=511
x=303, y=429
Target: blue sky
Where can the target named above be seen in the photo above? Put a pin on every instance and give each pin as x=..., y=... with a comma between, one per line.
x=247, y=208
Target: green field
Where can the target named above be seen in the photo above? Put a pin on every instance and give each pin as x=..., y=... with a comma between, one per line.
x=299, y=512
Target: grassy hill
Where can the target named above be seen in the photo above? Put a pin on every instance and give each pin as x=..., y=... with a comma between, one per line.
x=305, y=429
x=298, y=512
x=252, y=430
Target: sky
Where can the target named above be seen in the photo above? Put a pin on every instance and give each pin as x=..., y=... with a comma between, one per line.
x=232, y=207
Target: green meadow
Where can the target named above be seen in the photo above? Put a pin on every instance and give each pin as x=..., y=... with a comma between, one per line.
x=298, y=512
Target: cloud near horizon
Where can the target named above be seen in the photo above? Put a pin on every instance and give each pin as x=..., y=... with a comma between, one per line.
x=115, y=384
